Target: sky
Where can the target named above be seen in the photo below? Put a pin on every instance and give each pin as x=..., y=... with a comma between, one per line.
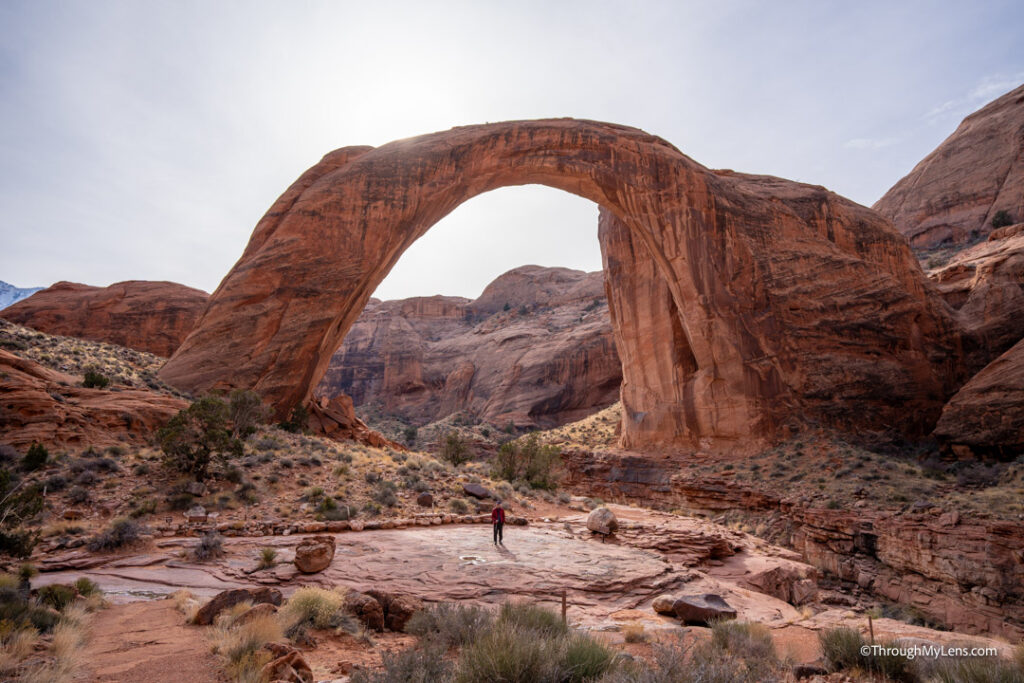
x=144, y=140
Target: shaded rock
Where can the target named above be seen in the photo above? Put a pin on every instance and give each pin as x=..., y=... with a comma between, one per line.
x=264, y=609
x=794, y=306
x=398, y=608
x=196, y=488
x=699, y=610
x=602, y=521
x=291, y=668
x=801, y=671
x=208, y=612
x=196, y=514
x=425, y=500
x=138, y=314
x=366, y=609
x=477, y=491
x=314, y=554
x=793, y=583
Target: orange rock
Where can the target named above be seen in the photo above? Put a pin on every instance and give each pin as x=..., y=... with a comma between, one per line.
x=796, y=304
x=44, y=405
x=954, y=192
x=143, y=315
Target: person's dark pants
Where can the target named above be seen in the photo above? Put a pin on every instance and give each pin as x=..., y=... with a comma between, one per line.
x=497, y=531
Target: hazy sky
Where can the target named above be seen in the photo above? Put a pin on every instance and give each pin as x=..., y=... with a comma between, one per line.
x=143, y=140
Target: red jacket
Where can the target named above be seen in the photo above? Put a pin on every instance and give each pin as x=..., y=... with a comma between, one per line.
x=498, y=515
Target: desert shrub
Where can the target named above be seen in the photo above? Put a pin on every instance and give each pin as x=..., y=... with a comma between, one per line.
x=121, y=533
x=458, y=505
x=384, y=493
x=241, y=645
x=455, y=449
x=423, y=664
x=528, y=459
x=210, y=546
x=840, y=648
x=246, y=411
x=19, y=503
x=585, y=659
x=94, y=379
x=317, y=607
x=1001, y=219
x=86, y=587
x=968, y=670
x=530, y=617
x=750, y=642
x=450, y=624
x=35, y=458
x=86, y=478
x=268, y=557
x=78, y=495
x=180, y=501
x=57, y=596
x=15, y=646
x=409, y=436
x=635, y=633
x=297, y=421
x=197, y=434
x=508, y=653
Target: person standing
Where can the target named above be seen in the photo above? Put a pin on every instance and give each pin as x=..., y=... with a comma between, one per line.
x=498, y=522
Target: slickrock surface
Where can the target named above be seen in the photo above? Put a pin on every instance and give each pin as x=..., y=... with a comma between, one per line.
x=954, y=192
x=986, y=417
x=39, y=404
x=797, y=304
x=535, y=349
x=139, y=314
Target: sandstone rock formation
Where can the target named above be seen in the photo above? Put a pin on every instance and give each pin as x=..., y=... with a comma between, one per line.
x=314, y=554
x=985, y=285
x=602, y=521
x=366, y=609
x=143, y=315
x=796, y=305
x=986, y=417
x=39, y=404
x=398, y=608
x=700, y=610
x=229, y=598
x=535, y=349
x=954, y=192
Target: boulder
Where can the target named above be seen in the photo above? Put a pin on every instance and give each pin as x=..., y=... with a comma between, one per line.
x=398, y=608
x=425, y=500
x=699, y=610
x=791, y=582
x=477, y=491
x=366, y=609
x=264, y=609
x=196, y=488
x=291, y=668
x=602, y=521
x=208, y=612
x=196, y=515
x=314, y=554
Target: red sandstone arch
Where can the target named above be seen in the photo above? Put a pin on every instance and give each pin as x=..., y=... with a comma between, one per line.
x=740, y=303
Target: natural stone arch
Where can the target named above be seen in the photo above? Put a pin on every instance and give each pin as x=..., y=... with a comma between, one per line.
x=733, y=258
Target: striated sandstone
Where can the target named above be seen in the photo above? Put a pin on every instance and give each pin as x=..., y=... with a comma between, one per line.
x=535, y=349
x=954, y=192
x=797, y=305
x=139, y=314
x=39, y=404
x=986, y=417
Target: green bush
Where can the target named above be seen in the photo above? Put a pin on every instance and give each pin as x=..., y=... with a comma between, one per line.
x=19, y=503
x=455, y=448
x=316, y=607
x=57, y=596
x=968, y=670
x=529, y=460
x=197, y=434
x=210, y=546
x=585, y=659
x=450, y=624
x=35, y=458
x=246, y=411
x=297, y=422
x=423, y=664
x=86, y=587
x=508, y=653
x=1001, y=219
x=530, y=617
x=122, y=533
x=840, y=648
x=94, y=379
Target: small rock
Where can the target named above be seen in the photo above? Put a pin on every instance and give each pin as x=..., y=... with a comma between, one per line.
x=366, y=609
x=664, y=604
x=355, y=525
x=698, y=610
x=425, y=500
x=477, y=491
x=196, y=488
x=208, y=612
x=602, y=521
x=290, y=667
x=314, y=554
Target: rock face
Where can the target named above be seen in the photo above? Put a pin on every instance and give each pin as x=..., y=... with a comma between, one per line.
x=398, y=608
x=39, y=404
x=143, y=315
x=985, y=285
x=602, y=521
x=796, y=305
x=954, y=192
x=535, y=349
x=366, y=609
x=986, y=417
x=314, y=554
x=700, y=610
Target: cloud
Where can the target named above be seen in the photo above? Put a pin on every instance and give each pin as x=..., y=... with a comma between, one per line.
x=987, y=89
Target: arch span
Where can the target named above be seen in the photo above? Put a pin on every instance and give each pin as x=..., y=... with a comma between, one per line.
x=740, y=303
